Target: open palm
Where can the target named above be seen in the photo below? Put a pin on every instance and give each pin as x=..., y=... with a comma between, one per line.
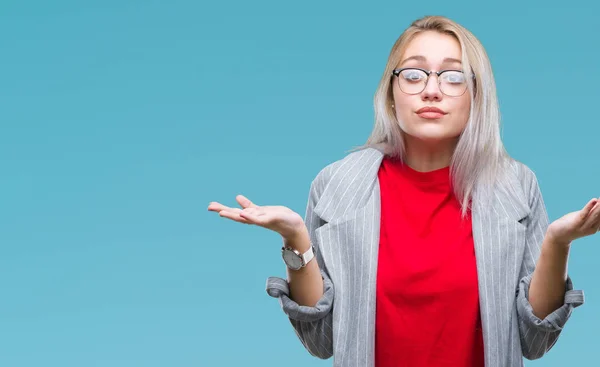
x=577, y=224
x=278, y=218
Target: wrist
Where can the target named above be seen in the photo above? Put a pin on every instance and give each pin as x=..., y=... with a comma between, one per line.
x=298, y=240
x=556, y=241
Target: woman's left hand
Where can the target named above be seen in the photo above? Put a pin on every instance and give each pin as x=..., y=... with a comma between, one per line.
x=576, y=224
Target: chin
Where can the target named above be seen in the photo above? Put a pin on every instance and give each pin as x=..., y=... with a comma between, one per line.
x=432, y=133
x=434, y=138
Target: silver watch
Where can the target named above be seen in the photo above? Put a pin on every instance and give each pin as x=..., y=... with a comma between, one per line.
x=294, y=260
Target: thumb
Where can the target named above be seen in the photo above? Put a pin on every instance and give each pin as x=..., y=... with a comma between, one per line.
x=245, y=202
x=588, y=207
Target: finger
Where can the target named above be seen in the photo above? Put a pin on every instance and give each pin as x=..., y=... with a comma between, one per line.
x=595, y=211
x=217, y=207
x=253, y=215
x=587, y=209
x=593, y=219
x=234, y=216
x=245, y=202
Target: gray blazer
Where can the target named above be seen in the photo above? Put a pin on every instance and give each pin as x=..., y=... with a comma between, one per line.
x=342, y=216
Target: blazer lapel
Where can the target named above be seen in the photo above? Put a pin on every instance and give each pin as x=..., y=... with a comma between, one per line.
x=348, y=242
x=499, y=237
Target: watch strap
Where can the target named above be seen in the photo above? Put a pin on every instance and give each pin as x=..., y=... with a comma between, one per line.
x=308, y=255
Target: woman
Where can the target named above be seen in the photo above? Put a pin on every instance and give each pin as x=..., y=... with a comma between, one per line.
x=431, y=245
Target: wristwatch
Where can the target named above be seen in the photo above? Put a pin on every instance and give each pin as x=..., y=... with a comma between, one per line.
x=294, y=260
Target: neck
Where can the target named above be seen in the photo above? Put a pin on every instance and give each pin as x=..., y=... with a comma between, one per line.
x=428, y=156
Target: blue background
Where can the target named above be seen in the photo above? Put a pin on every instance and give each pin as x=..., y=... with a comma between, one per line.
x=121, y=120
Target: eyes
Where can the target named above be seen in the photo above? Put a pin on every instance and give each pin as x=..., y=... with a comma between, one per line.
x=413, y=75
x=454, y=77
x=452, y=83
x=446, y=76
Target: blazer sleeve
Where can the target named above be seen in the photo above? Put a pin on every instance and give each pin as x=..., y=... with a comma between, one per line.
x=539, y=336
x=313, y=325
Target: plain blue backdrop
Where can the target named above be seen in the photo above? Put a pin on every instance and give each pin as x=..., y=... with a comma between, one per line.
x=121, y=120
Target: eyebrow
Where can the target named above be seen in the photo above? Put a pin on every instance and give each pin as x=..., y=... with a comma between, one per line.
x=422, y=58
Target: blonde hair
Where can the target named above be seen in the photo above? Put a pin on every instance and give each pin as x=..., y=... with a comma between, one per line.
x=479, y=157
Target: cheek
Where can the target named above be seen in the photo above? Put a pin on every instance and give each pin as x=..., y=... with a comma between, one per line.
x=463, y=109
x=405, y=104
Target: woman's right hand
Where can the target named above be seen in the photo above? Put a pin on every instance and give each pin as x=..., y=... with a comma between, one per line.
x=280, y=219
x=306, y=285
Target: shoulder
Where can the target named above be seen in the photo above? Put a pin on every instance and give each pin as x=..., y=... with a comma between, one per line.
x=359, y=162
x=526, y=178
x=523, y=172
x=527, y=181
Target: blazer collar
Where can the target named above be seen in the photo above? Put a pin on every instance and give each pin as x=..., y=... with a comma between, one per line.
x=352, y=181
x=350, y=185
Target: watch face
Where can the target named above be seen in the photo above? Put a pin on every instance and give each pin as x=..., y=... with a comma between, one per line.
x=292, y=260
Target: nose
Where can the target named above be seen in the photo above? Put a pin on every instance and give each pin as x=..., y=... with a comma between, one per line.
x=432, y=90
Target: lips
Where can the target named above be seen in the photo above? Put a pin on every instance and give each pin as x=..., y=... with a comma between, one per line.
x=431, y=109
x=430, y=113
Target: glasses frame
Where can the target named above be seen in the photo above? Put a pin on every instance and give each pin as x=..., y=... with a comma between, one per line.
x=396, y=72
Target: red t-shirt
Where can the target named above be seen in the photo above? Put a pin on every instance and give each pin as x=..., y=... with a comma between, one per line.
x=427, y=297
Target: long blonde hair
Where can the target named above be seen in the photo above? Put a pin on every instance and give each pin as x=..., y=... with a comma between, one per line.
x=480, y=156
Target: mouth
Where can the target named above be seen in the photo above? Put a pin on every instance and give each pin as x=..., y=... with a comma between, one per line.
x=430, y=113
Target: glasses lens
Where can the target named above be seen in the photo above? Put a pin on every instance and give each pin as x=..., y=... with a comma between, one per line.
x=412, y=81
x=453, y=83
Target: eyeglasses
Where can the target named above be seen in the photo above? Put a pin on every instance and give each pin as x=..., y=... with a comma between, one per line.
x=452, y=83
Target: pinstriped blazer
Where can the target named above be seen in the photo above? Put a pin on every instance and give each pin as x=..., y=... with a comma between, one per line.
x=343, y=217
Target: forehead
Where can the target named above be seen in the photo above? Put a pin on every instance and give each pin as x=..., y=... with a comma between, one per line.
x=434, y=46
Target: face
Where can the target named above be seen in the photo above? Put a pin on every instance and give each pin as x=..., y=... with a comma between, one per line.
x=431, y=51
